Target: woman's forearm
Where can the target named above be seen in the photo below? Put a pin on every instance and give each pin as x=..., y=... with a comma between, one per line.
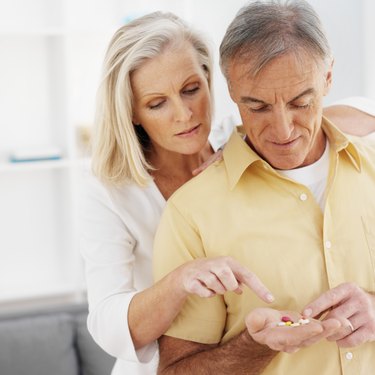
x=152, y=311
x=350, y=120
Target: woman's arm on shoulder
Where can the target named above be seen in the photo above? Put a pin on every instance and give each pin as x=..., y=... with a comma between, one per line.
x=355, y=116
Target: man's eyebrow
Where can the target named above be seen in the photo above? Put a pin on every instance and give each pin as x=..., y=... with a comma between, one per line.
x=249, y=99
x=309, y=91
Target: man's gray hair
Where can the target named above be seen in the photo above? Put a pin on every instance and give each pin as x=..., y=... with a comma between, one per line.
x=264, y=30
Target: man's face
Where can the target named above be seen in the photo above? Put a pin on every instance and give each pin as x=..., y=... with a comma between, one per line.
x=281, y=108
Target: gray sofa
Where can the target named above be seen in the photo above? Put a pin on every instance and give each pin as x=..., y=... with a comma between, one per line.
x=51, y=341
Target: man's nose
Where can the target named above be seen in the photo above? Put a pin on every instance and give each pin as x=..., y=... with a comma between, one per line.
x=182, y=111
x=282, y=125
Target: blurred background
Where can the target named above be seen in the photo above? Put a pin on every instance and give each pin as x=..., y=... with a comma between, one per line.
x=51, y=53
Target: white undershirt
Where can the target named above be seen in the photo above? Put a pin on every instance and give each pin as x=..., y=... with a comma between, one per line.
x=314, y=176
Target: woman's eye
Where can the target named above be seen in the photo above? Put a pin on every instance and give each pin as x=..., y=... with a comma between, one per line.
x=156, y=105
x=191, y=90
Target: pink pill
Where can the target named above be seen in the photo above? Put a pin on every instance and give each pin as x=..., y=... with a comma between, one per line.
x=286, y=319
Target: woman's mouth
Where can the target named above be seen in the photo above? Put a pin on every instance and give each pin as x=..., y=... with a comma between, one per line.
x=189, y=132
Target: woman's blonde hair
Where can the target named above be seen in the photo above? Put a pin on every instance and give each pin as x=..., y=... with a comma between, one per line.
x=118, y=145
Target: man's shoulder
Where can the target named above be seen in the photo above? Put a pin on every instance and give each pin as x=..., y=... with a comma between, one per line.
x=365, y=145
x=210, y=183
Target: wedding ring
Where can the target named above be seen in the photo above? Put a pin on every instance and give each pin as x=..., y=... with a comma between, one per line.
x=350, y=325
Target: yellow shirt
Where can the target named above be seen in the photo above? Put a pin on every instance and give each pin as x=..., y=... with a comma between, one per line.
x=242, y=207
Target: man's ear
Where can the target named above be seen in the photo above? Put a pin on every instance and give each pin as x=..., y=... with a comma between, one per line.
x=328, y=78
x=230, y=89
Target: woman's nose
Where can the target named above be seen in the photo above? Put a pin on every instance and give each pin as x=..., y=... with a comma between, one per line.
x=182, y=111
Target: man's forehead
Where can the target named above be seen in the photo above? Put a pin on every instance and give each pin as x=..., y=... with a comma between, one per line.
x=286, y=71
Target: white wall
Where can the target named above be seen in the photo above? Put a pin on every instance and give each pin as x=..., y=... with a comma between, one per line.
x=51, y=54
x=368, y=12
x=343, y=21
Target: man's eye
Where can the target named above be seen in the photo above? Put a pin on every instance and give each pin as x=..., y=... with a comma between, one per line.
x=259, y=109
x=301, y=106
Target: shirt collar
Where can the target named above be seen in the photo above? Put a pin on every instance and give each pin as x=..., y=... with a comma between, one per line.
x=238, y=156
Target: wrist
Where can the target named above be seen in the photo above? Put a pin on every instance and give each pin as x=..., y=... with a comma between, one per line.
x=261, y=349
x=175, y=284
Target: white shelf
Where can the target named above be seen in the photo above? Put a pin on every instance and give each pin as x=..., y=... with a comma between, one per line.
x=42, y=165
x=42, y=292
x=59, y=32
x=15, y=302
x=49, y=73
x=31, y=33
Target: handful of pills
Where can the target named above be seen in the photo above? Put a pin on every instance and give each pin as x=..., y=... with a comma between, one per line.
x=286, y=321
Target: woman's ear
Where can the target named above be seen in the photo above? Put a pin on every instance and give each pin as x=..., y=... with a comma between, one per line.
x=135, y=121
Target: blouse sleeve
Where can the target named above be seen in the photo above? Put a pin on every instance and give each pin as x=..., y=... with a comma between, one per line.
x=107, y=248
x=221, y=132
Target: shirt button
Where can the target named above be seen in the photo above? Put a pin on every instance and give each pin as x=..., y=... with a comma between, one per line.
x=349, y=356
x=303, y=197
x=328, y=244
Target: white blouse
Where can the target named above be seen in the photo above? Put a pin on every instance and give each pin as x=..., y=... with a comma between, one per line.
x=118, y=227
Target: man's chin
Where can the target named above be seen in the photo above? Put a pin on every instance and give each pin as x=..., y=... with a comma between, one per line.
x=285, y=165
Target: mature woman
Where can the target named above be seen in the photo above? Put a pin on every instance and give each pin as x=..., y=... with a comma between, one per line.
x=153, y=123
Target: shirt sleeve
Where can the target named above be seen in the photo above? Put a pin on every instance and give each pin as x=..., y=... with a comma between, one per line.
x=107, y=248
x=176, y=242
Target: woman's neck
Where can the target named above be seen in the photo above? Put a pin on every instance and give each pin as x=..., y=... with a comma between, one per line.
x=172, y=170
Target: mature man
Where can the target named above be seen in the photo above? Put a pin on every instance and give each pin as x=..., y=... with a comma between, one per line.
x=293, y=200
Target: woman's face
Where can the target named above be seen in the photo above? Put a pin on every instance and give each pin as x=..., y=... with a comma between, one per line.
x=172, y=101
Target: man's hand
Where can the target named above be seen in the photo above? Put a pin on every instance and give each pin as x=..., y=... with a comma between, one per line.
x=262, y=326
x=351, y=304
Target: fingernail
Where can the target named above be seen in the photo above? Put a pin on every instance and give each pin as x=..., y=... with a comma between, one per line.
x=307, y=313
x=270, y=297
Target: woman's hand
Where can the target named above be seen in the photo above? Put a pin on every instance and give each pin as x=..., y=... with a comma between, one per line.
x=218, y=155
x=207, y=277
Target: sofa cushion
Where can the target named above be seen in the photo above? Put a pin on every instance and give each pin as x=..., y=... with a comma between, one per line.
x=93, y=360
x=38, y=345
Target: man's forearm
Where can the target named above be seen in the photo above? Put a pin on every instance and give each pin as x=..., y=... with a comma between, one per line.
x=240, y=355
